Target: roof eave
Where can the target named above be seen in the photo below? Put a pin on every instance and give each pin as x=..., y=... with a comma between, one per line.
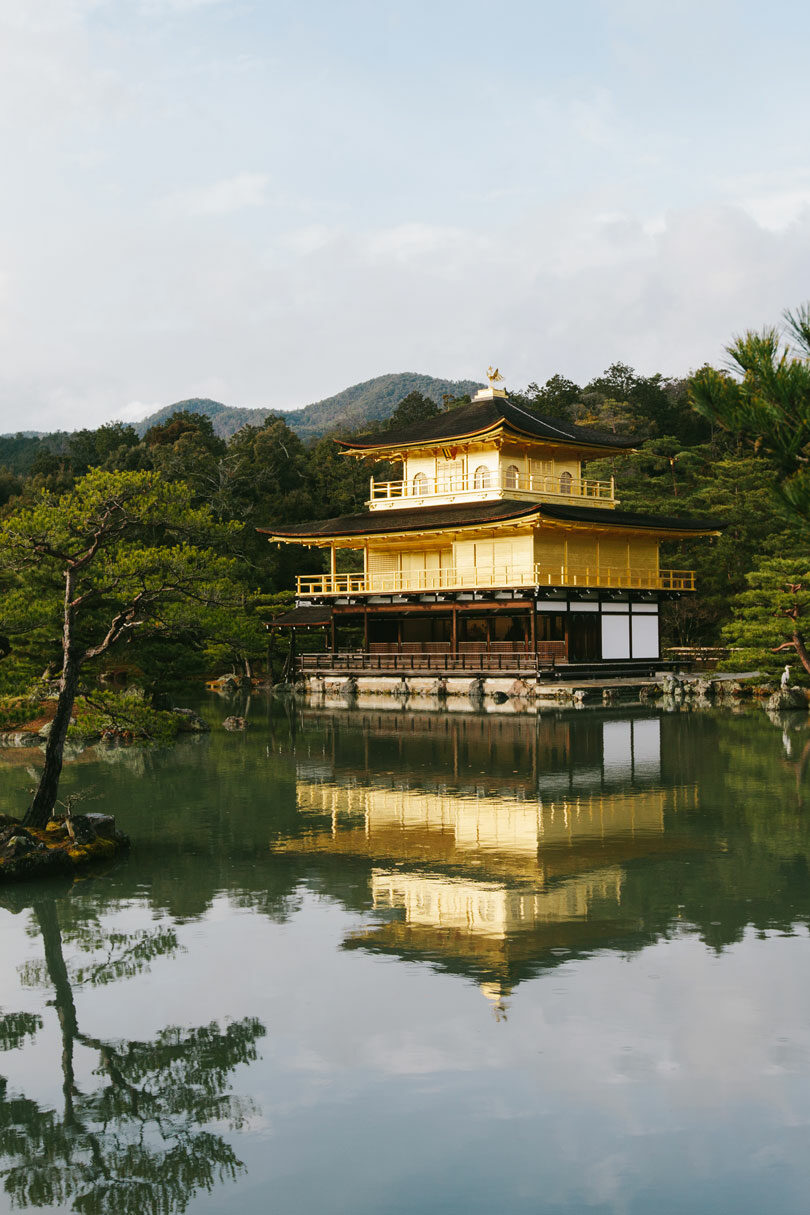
x=417, y=443
x=594, y=448
x=317, y=538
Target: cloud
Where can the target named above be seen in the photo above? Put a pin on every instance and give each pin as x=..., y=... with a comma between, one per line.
x=280, y=319
x=179, y=6
x=547, y=220
x=221, y=197
x=778, y=209
x=136, y=410
x=46, y=16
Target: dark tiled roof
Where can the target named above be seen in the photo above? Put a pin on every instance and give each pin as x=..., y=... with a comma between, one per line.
x=296, y=617
x=417, y=518
x=481, y=416
x=429, y=518
x=629, y=518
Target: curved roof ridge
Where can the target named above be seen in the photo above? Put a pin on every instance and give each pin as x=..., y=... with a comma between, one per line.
x=403, y=519
x=481, y=416
x=499, y=510
x=536, y=417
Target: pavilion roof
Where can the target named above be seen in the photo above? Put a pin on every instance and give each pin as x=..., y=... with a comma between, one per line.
x=301, y=617
x=479, y=417
x=475, y=514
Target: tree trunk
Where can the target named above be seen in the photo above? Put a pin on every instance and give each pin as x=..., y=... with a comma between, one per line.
x=48, y=920
x=801, y=650
x=44, y=801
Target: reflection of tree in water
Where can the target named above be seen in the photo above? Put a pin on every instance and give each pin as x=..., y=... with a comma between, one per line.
x=137, y=1142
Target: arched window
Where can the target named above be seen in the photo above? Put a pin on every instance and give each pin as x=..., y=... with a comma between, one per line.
x=512, y=477
x=566, y=481
x=420, y=484
x=481, y=478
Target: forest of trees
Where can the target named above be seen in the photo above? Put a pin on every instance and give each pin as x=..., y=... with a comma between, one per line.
x=698, y=452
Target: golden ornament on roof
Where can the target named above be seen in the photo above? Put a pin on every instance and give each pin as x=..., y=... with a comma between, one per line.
x=494, y=376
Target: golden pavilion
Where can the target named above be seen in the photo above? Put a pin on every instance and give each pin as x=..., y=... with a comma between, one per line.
x=492, y=552
x=480, y=862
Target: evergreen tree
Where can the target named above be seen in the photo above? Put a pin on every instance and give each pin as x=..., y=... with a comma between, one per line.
x=766, y=403
x=121, y=554
x=772, y=617
x=413, y=408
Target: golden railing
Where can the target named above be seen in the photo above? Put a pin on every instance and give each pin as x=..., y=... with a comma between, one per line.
x=564, y=486
x=478, y=577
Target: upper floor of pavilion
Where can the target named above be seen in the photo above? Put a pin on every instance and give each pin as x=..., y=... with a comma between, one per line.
x=487, y=450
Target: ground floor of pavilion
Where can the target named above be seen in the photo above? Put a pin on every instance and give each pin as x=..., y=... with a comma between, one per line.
x=516, y=631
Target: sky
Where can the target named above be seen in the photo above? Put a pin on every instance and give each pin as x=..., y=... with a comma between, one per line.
x=265, y=201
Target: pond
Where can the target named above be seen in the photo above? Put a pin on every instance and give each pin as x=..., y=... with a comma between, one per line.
x=380, y=961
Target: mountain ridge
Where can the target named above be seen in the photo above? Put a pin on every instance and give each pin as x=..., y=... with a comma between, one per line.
x=369, y=401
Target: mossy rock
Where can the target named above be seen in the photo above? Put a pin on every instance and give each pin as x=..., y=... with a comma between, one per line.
x=27, y=853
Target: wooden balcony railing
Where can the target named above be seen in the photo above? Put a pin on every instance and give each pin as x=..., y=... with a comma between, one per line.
x=549, y=653
x=453, y=484
x=481, y=578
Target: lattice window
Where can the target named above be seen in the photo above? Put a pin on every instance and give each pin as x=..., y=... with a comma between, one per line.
x=451, y=476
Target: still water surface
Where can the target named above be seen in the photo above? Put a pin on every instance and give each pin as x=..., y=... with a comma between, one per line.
x=381, y=961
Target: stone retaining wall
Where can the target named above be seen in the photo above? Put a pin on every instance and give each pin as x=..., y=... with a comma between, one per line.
x=455, y=692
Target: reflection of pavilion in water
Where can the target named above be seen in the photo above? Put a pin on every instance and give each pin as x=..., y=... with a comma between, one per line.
x=489, y=868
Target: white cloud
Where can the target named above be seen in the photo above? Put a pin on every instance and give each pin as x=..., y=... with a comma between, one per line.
x=179, y=6
x=282, y=320
x=415, y=243
x=311, y=239
x=776, y=211
x=136, y=410
x=567, y=219
x=45, y=16
x=221, y=197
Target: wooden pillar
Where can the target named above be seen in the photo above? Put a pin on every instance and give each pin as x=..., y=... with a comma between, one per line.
x=332, y=566
x=454, y=632
x=533, y=626
x=365, y=629
x=332, y=629
x=292, y=658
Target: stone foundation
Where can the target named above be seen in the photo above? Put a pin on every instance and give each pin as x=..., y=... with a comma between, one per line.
x=507, y=694
x=439, y=689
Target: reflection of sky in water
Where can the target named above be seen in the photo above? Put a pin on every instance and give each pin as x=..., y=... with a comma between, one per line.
x=633, y=1067
x=384, y=1087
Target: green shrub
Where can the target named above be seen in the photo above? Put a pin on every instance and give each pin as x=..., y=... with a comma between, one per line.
x=122, y=715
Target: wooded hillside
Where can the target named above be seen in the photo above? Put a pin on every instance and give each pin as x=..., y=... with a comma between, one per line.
x=372, y=401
